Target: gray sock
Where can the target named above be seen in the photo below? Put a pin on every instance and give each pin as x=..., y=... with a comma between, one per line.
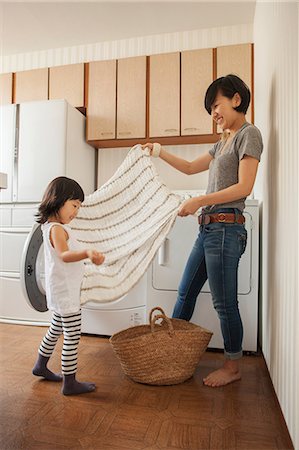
x=73, y=387
x=40, y=369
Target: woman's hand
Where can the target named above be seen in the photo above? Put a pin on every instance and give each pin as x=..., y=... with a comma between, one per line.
x=190, y=206
x=95, y=257
x=149, y=145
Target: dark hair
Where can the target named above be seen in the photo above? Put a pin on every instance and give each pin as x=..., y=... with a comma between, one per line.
x=57, y=193
x=228, y=86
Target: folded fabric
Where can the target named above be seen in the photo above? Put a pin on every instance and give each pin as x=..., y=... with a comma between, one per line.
x=127, y=220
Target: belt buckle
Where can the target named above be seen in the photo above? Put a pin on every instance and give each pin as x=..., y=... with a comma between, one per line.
x=221, y=217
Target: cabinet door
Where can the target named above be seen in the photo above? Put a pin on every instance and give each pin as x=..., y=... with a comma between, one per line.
x=164, y=115
x=67, y=82
x=196, y=76
x=237, y=59
x=31, y=85
x=131, y=97
x=101, y=105
x=5, y=88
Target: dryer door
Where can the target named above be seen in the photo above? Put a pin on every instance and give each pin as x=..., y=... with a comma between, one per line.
x=32, y=270
x=170, y=261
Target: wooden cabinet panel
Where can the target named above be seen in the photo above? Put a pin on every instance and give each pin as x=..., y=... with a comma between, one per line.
x=164, y=100
x=101, y=103
x=131, y=98
x=196, y=76
x=31, y=85
x=5, y=88
x=237, y=59
x=67, y=82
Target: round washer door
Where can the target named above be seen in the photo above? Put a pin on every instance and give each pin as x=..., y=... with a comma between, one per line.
x=33, y=270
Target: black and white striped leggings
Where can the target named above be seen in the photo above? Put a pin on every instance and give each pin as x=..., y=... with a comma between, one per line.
x=70, y=326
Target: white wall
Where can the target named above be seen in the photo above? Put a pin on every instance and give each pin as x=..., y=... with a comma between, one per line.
x=276, y=114
x=110, y=159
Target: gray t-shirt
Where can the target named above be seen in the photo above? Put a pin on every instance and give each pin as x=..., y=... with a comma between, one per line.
x=224, y=168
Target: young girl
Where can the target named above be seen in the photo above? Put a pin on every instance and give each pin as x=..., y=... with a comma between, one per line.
x=232, y=163
x=63, y=276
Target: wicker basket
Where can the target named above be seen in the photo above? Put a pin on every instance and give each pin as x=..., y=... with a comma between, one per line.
x=161, y=354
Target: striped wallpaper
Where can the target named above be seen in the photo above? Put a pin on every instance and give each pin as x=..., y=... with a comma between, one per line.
x=144, y=45
x=276, y=114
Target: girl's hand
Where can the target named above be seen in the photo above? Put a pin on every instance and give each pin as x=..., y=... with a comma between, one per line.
x=190, y=206
x=95, y=257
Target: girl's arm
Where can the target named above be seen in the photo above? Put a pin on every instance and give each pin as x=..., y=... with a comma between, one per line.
x=58, y=238
x=200, y=164
x=247, y=174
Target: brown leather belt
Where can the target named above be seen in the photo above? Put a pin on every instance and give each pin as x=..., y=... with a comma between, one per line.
x=220, y=218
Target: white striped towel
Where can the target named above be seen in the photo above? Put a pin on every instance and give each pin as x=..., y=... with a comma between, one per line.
x=127, y=220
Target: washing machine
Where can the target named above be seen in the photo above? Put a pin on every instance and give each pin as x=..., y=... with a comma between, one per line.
x=16, y=225
x=167, y=268
x=97, y=318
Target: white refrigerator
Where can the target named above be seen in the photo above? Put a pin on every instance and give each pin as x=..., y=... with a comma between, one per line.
x=38, y=142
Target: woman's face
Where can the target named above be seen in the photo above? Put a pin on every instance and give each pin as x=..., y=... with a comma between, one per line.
x=69, y=211
x=223, y=112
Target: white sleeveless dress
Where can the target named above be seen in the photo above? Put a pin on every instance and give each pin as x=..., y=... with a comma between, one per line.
x=62, y=280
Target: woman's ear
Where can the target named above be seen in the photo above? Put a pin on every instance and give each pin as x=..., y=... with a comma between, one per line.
x=237, y=100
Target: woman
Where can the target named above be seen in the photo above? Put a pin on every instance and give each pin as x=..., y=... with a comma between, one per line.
x=232, y=163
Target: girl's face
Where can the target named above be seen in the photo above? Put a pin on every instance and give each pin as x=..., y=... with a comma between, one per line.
x=68, y=211
x=223, y=111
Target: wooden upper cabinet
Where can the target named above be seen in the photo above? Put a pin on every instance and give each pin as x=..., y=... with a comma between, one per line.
x=237, y=59
x=196, y=76
x=101, y=101
x=31, y=85
x=164, y=95
x=67, y=82
x=131, y=98
x=5, y=88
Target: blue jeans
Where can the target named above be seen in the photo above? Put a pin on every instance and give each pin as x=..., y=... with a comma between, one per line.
x=215, y=256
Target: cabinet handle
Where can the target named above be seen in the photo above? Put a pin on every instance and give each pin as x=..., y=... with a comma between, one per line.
x=107, y=132
x=124, y=133
x=191, y=129
x=171, y=129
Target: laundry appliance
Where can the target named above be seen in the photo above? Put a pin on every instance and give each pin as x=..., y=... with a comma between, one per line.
x=167, y=268
x=38, y=142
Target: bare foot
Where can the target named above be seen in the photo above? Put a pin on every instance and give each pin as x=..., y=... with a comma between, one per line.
x=227, y=374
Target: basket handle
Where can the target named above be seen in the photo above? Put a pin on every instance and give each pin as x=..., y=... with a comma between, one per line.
x=162, y=316
x=157, y=308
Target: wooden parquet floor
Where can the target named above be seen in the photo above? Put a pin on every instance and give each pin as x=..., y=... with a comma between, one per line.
x=123, y=415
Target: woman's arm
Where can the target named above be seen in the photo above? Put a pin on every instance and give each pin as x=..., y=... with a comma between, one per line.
x=198, y=165
x=247, y=174
x=58, y=238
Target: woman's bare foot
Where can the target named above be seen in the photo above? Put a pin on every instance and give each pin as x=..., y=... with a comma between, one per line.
x=227, y=374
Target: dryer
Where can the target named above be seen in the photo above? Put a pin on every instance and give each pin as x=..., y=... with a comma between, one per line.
x=167, y=268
